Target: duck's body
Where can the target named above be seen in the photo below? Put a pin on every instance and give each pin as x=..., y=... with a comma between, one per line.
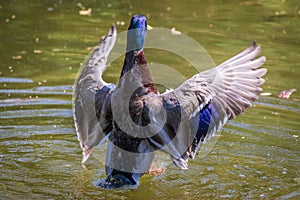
x=125, y=107
x=141, y=121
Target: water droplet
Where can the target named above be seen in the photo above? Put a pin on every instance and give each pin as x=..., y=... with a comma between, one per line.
x=242, y=176
x=262, y=195
x=210, y=168
x=50, y=9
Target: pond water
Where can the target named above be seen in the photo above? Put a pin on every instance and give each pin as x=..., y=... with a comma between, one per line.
x=43, y=44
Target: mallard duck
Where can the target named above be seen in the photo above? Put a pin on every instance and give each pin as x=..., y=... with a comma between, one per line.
x=138, y=120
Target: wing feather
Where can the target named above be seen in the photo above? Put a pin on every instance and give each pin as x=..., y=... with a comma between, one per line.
x=208, y=100
x=92, y=96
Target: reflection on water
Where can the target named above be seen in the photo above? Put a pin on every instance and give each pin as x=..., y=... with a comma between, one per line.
x=42, y=45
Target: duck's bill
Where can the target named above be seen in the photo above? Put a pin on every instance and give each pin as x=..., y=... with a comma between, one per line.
x=149, y=28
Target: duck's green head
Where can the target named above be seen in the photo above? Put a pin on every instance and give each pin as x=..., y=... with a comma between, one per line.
x=136, y=33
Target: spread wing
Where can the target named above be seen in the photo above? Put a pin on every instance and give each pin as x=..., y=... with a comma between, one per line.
x=200, y=106
x=91, y=99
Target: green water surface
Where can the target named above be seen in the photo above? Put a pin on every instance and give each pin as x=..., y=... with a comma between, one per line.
x=42, y=46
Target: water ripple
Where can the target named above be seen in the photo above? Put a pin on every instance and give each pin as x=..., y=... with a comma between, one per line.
x=36, y=113
x=32, y=101
x=15, y=80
